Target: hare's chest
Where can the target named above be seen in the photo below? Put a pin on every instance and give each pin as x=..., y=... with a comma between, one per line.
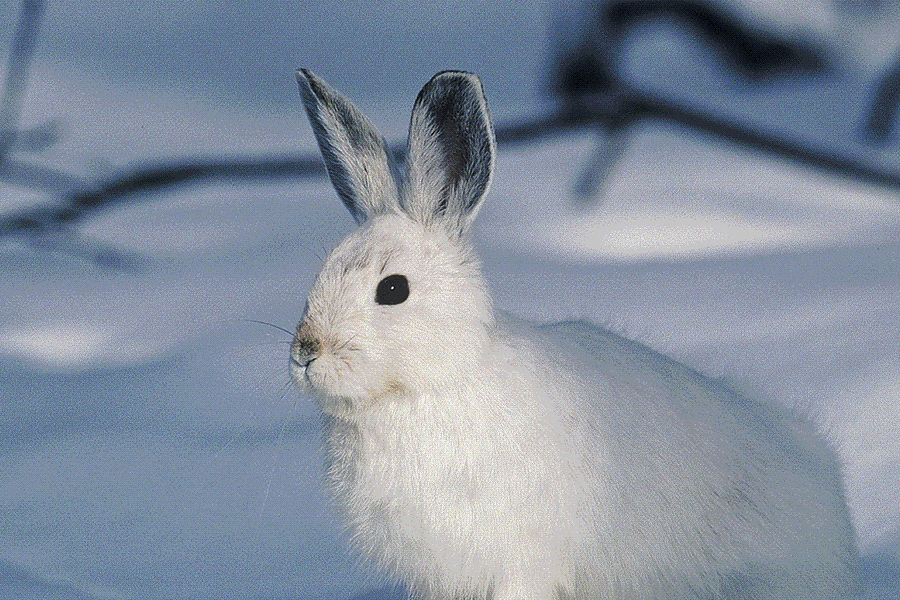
x=420, y=470
x=430, y=491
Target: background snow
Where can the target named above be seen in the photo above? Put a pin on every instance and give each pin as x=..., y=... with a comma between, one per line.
x=150, y=443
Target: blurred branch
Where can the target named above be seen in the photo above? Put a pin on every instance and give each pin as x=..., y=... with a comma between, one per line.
x=82, y=200
x=638, y=106
x=593, y=95
x=624, y=110
x=885, y=106
x=609, y=149
x=38, y=138
x=754, y=52
x=591, y=68
x=17, y=69
x=37, y=177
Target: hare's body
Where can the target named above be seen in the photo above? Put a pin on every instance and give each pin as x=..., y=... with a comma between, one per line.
x=479, y=456
x=626, y=476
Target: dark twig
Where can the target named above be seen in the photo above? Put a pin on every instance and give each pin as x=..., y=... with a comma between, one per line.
x=611, y=145
x=590, y=61
x=885, y=106
x=753, y=52
x=590, y=66
x=172, y=174
x=39, y=177
x=627, y=109
x=20, y=56
x=593, y=95
x=38, y=138
x=81, y=200
x=647, y=107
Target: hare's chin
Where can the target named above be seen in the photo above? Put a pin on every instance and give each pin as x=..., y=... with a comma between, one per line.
x=337, y=385
x=344, y=398
x=321, y=383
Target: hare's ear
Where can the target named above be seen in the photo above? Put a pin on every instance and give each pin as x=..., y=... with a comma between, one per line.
x=450, y=151
x=356, y=156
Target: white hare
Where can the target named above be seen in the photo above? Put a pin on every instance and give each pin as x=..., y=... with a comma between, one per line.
x=476, y=455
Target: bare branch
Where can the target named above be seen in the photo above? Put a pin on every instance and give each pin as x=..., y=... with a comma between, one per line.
x=82, y=199
x=593, y=95
x=625, y=109
x=38, y=138
x=755, y=53
x=885, y=106
x=190, y=172
x=38, y=177
x=20, y=56
x=644, y=106
x=610, y=148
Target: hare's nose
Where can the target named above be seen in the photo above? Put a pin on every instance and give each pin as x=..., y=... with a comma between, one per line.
x=305, y=348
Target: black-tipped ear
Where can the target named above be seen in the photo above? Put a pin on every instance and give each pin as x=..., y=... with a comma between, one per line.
x=450, y=151
x=358, y=160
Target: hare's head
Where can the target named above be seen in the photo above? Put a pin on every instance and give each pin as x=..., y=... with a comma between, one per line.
x=400, y=308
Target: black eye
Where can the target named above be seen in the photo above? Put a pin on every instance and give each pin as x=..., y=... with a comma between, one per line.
x=393, y=289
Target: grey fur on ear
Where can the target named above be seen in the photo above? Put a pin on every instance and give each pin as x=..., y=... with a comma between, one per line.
x=356, y=156
x=450, y=150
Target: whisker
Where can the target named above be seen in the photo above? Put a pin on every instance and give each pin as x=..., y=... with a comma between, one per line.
x=233, y=437
x=346, y=343
x=269, y=344
x=313, y=252
x=286, y=387
x=290, y=333
x=271, y=476
x=279, y=441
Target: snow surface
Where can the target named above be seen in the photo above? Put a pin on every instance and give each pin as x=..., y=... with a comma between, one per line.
x=151, y=445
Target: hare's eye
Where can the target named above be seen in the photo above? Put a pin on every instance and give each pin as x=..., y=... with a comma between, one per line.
x=393, y=289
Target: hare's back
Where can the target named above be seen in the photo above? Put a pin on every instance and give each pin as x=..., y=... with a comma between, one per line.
x=687, y=457
x=654, y=409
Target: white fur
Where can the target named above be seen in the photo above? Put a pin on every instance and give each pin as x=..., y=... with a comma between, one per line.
x=476, y=455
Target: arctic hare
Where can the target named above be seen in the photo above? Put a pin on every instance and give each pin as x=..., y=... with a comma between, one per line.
x=476, y=455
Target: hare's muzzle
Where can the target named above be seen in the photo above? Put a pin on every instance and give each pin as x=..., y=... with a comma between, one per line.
x=305, y=348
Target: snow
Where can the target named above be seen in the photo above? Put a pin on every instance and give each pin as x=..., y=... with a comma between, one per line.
x=151, y=444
